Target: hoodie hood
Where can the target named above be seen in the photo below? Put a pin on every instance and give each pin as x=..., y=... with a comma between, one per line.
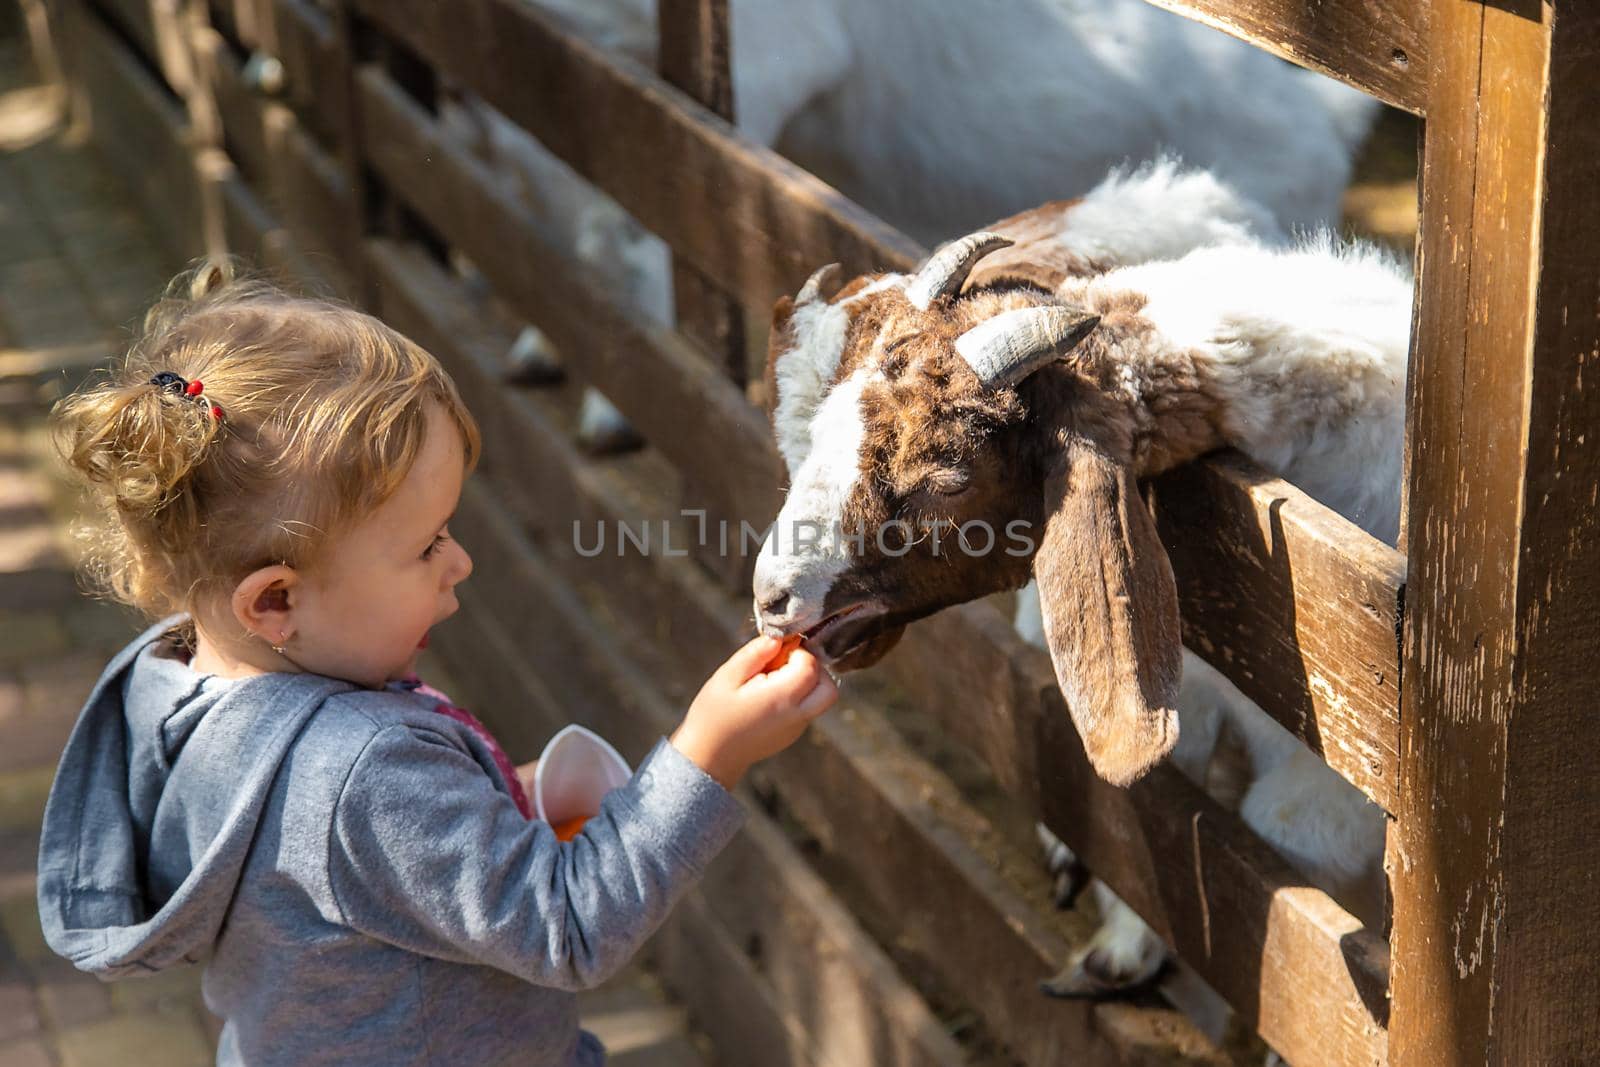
x=156, y=804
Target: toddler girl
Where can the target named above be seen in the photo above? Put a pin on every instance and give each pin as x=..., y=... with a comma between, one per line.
x=258, y=783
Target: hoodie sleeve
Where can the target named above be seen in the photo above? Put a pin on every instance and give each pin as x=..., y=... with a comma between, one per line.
x=425, y=853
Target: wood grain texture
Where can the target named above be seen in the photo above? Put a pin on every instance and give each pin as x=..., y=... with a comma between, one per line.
x=1496, y=950
x=1292, y=962
x=305, y=39
x=737, y=212
x=1379, y=48
x=288, y=169
x=251, y=230
x=158, y=31
x=1297, y=605
x=134, y=117
x=670, y=391
x=694, y=55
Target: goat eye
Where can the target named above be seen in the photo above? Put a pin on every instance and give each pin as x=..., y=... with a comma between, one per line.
x=938, y=493
x=948, y=485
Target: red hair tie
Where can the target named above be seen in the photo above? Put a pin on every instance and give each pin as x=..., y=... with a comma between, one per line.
x=175, y=384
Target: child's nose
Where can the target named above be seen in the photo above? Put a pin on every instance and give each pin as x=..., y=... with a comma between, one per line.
x=462, y=566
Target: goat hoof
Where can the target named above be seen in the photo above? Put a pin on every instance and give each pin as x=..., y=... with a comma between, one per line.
x=1068, y=874
x=609, y=440
x=1070, y=881
x=532, y=361
x=602, y=429
x=1095, y=974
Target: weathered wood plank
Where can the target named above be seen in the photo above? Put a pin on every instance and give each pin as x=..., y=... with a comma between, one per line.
x=1496, y=948
x=295, y=178
x=156, y=29
x=304, y=38
x=252, y=231
x=1290, y=960
x=667, y=389
x=1383, y=51
x=134, y=118
x=934, y=866
x=694, y=56
x=1297, y=605
x=738, y=213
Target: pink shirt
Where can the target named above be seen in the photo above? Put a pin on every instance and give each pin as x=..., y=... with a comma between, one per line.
x=508, y=770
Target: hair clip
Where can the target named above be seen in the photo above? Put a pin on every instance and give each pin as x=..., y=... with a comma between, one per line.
x=178, y=385
x=175, y=384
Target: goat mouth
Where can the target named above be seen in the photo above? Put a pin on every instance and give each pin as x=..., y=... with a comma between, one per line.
x=841, y=633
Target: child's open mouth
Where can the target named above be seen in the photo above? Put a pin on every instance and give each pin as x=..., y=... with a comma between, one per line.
x=423, y=643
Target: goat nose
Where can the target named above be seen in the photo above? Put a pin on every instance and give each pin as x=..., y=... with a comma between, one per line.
x=775, y=605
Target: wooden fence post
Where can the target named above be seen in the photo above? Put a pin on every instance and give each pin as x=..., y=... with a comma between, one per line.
x=1496, y=949
x=353, y=40
x=695, y=54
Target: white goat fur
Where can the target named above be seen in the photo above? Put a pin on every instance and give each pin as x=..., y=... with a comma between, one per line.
x=907, y=105
x=1311, y=342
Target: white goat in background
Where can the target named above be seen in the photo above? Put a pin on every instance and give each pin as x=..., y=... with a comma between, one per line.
x=939, y=115
x=1158, y=319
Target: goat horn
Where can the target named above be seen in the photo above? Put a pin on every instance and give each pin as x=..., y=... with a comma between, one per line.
x=1007, y=348
x=812, y=289
x=948, y=268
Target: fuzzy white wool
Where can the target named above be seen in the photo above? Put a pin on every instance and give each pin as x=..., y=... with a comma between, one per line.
x=1162, y=210
x=1310, y=345
x=808, y=368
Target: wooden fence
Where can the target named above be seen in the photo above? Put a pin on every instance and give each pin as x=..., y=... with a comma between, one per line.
x=1487, y=613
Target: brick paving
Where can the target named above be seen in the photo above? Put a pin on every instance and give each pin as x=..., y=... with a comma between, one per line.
x=77, y=264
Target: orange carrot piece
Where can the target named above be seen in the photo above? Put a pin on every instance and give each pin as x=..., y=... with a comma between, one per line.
x=790, y=643
x=567, y=829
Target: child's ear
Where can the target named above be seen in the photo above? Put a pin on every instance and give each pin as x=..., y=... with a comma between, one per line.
x=263, y=603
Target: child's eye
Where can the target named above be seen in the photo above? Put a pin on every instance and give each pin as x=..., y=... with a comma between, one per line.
x=434, y=545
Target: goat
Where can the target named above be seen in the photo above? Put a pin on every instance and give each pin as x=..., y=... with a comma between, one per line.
x=1023, y=380
x=897, y=104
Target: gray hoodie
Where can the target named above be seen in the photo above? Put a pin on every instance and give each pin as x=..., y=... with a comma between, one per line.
x=350, y=867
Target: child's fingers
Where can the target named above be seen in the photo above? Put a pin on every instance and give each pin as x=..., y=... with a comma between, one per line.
x=799, y=674
x=803, y=677
x=747, y=662
x=820, y=699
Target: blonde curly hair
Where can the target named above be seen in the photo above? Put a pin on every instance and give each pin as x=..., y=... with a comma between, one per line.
x=309, y=416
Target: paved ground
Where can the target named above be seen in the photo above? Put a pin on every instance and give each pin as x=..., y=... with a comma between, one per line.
x=77, y=264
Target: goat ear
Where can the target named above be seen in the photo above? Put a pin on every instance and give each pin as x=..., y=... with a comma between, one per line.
x=1110, y=612
x=782, y=312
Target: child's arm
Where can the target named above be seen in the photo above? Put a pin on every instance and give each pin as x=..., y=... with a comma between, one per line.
x=426, y=854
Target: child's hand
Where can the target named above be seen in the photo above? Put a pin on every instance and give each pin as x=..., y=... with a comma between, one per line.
x=742, y=714
x=525, y=773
